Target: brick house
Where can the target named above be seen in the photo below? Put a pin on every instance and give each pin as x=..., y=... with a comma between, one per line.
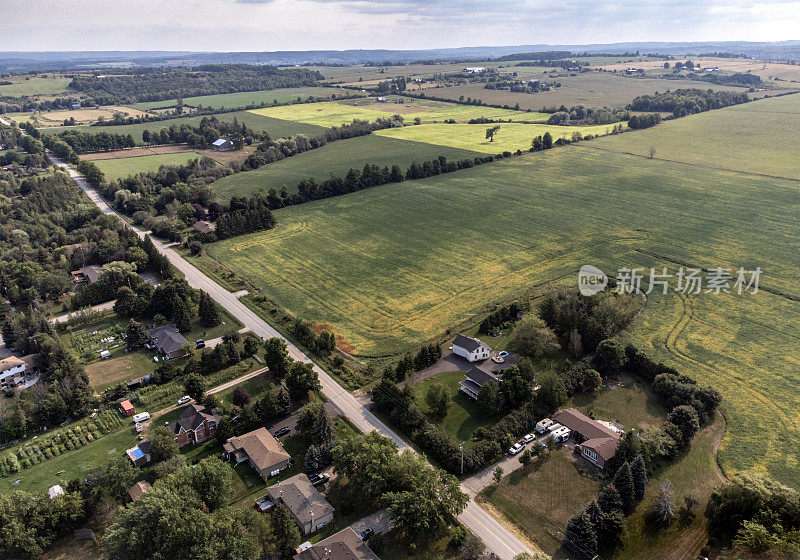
x=196, y=425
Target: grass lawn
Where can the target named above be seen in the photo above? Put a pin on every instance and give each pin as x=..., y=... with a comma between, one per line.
x=248, y=98
x=275, y=127
x=78, y=463
x=254, y=386
x=463, y=416
x=432, y=547
x=630, y=404
x=757, y=137
x=123, y=167
x=25, y=85
x=511, y=136
x=336, y=158
x=332, y=113
x=540, y=498
x=120, y=367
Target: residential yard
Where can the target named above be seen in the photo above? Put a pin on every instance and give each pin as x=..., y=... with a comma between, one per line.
x=121, y=367
x=435, y=547
x=629, y=403
x=539, y=499
x=123, y=167
x=463, y=416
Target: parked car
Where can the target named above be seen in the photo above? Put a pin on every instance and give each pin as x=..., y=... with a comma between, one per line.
x=199, y=343
x=264, y=504
x=366, y=534
x=528, y=438
x=184, y=399
x=516, y=448
x=283, y=431
x=141, y=417
x=319, y=478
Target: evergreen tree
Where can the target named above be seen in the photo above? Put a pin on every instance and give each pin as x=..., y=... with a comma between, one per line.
x=639, y=472
x=287, y=535
x=284, y=400
x=136, y=335
x=312, y=461
x=580, y=537
x=208, y=311
x=180, y=315
x=623, y=482
x=609, y=499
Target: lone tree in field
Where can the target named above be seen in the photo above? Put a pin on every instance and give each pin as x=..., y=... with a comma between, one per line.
x=497, y=474
x=663, y=508
x=490, y=132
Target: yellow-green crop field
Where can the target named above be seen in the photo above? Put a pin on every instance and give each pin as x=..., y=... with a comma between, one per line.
x=756, y=137
x=334, y=113
x=123, y=167
x=510, y=136
x=27, y=85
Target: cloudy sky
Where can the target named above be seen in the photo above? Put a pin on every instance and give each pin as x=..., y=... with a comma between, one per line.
x=266, y=25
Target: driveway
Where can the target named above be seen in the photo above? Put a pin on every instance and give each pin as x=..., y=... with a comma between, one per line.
x=291, y=420
x=452, y=362
x=380, y=522
x=480, y=480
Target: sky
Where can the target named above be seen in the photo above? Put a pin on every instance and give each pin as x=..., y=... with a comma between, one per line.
x=269, y=25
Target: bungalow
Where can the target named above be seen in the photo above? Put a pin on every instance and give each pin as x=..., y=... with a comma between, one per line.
x=265, y=453
x=344, y=545
x=477, y=378
x=598, y=441
x=9, y=368
x=196, y=424
x=310, y=510
x=222, y=145
x=167, y=340
x=472, y=349
x=126, y=408
x=138, y=490
x=140, y=454
x=204, y=227
x=86, y=274
x=474, y=69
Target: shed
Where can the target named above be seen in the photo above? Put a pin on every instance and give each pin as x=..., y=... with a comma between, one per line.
x=222, y=145
x=126, y=408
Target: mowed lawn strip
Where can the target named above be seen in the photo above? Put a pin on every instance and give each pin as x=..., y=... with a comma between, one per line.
x=755, y=137
x=509, y=137
x=403, y=263
x=336, y=158
x=123, y=167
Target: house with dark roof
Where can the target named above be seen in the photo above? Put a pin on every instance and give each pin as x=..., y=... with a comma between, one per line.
x=138, y=490
x=472, y=349
x=477, y=378
x=344, y=545
x=222, y=145
x=597, y=441
x=204, y=226
x=310, y=510
x=196, y=425
x=86, y=274
x=265, y=453
x=140, y=454
x=167, y=341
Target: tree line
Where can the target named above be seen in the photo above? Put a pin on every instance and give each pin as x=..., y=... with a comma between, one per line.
x=683, y=102
x=157, y=84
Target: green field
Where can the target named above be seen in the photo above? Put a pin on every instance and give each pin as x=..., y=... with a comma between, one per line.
x=332, y=113
x=757, y=137
x=275, y=127
x=123, y=167
x=510, y=136
x=34, y=86
x=247, y=98
x=592, y=89
x=335, y=158
x=388, y=279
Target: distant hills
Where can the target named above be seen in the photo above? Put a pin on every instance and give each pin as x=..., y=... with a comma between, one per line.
x=27, y=61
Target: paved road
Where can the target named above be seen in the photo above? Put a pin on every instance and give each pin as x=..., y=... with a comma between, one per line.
x=497, y=538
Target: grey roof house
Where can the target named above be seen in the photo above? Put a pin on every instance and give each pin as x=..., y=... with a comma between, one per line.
x=472, y=349
x=265, y=453
x=475, y=379
x=310, y=510
x=344, y=545
x=167, y=340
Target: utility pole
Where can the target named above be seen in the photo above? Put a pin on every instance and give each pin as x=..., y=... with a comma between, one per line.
x=461, y=448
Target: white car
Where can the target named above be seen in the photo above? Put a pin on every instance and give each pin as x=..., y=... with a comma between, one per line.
x=184, y=399
x=528, y=438
x=516, y=448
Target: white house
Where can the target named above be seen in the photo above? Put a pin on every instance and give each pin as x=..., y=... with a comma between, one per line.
x=472, y=349
x=475, y=69
x=477, y=378
x=9, y=368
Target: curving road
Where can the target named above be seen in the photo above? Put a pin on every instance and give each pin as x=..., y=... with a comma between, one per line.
x=497, y=538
